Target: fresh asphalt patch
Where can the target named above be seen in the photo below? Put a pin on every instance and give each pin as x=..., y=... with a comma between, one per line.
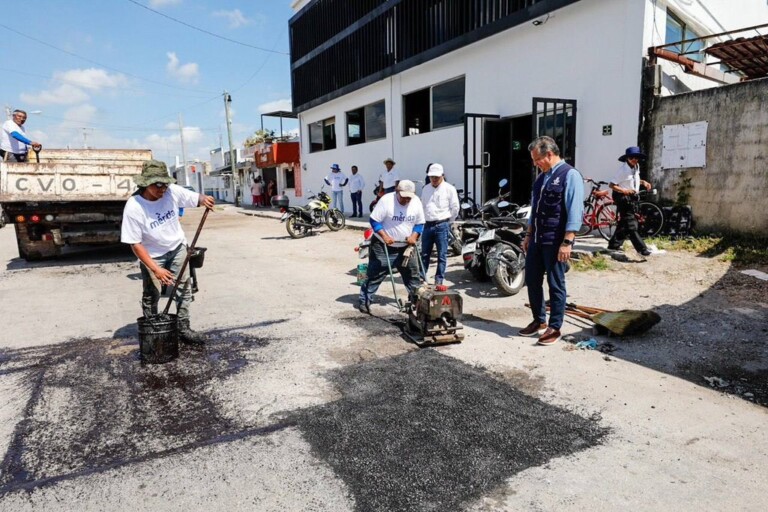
x=94, y=406
x=423, y=431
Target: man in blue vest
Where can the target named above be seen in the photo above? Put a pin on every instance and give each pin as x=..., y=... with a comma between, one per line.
x=557, y=204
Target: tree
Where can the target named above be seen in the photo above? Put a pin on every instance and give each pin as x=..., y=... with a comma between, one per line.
x=260, y=136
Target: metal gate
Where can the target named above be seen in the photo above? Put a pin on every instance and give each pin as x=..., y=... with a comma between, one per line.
x=557, y=118
x=475, y=157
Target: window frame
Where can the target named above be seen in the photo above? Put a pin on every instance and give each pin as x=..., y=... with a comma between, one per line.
x=324, y=144
x=686, y=33
x=431, y=107
x=363, y=123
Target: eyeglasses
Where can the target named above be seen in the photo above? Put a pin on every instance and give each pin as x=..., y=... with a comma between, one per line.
x=160, y=185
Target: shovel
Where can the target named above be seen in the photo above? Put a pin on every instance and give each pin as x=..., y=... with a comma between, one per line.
x=620, y=323
x=190, y=251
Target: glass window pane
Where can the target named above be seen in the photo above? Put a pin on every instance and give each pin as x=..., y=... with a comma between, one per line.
x=448, y=103
x=355, y=130
x=315, y=137
x=329, y=133
x=375, y=121
x=416, y=113
x=674, y=32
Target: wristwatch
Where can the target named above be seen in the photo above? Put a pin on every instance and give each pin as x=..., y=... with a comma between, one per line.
x=567, y=242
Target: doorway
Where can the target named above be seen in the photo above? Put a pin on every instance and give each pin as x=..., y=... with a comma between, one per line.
x=505, y=148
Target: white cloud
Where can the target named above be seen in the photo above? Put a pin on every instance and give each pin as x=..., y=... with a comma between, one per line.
x=185, y=73
x=235, y=17
x=77, y=84
x=163, y=3
x=272, y=106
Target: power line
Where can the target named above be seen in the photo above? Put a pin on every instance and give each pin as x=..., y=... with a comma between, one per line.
x=100, y=64
x=205, y=31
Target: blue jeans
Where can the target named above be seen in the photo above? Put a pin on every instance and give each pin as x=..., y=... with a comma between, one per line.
x=172, y=260
x=538, y=260
x=338, y=200
x=435, y=235
x=378, y=271
x=357, y=203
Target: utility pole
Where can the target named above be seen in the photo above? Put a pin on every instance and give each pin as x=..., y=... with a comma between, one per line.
x=232, y=160
x=85, y=138
x=183, y=149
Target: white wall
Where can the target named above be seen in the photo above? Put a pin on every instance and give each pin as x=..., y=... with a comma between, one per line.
x=590, y=51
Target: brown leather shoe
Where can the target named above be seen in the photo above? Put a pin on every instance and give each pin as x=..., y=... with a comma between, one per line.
x=549, y=337
x=533, y=329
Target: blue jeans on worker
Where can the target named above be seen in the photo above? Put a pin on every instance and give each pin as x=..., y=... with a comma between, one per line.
x=357, y=203
x=172, y=260
x=541, y=259
x=435, y=235
x=378, y=269
x=338, y=200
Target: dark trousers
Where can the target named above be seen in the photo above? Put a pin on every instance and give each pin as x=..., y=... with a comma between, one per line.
x=357, y=203
x=435, y=235
x=378, y=270
x=626, y=206
x=13, y=157
x=150, y=297
x=541, y=259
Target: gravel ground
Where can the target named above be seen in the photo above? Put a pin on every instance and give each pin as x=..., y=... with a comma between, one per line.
x=302, y=403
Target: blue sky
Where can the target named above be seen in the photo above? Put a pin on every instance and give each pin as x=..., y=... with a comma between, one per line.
x=117, y=75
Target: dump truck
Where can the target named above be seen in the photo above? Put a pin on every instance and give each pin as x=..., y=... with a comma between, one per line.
x=67, y=197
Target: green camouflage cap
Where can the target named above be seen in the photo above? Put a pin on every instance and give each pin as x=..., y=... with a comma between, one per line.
x=153, y=171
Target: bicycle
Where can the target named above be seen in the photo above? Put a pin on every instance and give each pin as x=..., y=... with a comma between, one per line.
x=650, y=218
x=599, y=211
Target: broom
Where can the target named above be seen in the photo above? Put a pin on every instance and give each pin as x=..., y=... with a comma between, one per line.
x=621, y=323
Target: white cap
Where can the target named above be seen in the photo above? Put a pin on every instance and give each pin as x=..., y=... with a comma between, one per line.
x=435, y=170
x=406, y=188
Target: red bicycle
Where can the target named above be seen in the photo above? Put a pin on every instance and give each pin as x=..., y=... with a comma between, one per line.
x=599, y=211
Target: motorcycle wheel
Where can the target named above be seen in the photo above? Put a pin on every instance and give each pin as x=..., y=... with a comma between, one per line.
x=294, y=230
x=335, y=220
x=509, y=284
x=454, y=249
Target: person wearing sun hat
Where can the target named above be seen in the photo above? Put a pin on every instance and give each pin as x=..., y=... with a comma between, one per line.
x=337, y=180
x=151, y=227
x=397, y=221
x=626, y=185
x=388, y=179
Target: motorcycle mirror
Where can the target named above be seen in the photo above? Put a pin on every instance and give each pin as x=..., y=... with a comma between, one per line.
x=503, y=204
x=503, y=183
x=466, y=206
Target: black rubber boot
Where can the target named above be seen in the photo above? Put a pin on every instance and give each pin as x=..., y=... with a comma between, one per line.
x=188, y=336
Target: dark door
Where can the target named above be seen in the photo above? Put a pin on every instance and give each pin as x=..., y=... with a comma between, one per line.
x=557, y=118
x=497, y=150
x=474, y=158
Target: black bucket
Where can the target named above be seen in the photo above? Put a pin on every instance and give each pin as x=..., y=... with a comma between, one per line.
x=158, y=338
x=197, y=258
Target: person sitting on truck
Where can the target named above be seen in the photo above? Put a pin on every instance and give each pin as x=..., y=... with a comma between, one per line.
x=13, y=140
x=151, y=227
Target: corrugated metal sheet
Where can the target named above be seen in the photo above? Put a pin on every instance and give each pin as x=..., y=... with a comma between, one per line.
x=747, y=55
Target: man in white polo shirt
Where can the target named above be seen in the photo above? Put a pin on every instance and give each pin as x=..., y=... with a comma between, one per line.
x=441, y=207
x=397, y=221
x=389, y=179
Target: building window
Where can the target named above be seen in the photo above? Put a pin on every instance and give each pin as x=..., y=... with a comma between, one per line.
x=366, y=123
x=289, y=178
x=322, y=135
x=439, y=106
x=679, y=31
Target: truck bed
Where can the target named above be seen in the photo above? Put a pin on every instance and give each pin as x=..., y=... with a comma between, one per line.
x=72, y=175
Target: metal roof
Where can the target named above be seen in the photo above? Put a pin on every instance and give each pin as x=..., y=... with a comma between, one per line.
x=745, y=55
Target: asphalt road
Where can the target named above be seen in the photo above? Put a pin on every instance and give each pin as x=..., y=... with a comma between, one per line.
x=299, y=402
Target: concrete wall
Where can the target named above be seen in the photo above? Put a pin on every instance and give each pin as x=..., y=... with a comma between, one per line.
x=730, y=192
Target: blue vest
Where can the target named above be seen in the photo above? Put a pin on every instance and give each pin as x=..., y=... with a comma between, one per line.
x=551, y=214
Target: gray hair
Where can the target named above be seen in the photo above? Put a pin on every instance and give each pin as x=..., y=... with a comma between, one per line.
x=17, y=111
x=544, y=144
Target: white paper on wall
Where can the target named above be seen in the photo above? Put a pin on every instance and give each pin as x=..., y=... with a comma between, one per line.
x=684, y=145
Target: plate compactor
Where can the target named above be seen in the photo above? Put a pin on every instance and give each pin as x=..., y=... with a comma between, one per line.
x=433, y=311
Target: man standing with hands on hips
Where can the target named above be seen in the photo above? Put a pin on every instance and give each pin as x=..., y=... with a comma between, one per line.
x=557, y=206
x=356, y=186
x=441, y=207
x=337, y=180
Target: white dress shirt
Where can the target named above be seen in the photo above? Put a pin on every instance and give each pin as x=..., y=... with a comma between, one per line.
x=390, y=178
x=356, y=183
x=440, y=203
x=627, y=177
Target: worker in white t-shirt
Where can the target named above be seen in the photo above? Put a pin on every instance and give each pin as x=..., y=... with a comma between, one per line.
x=13, y=139
x=397, y=221
x=388, y=179
x=151, y=227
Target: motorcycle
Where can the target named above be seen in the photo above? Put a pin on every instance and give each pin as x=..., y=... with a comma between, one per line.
x=497, y=253
x=491, y=208
x=300, y=221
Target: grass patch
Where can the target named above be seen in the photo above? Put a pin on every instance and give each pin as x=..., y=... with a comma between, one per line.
x=590, y=262
x=739, y=249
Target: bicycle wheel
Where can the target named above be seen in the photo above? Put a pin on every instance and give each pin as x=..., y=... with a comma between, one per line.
x=607, y=220
x=650, y=219
x=586, y=225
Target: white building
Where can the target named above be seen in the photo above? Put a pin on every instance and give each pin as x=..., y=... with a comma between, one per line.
x=393, y=79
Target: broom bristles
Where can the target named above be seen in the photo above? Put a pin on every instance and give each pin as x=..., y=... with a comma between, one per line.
x=627, y=321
